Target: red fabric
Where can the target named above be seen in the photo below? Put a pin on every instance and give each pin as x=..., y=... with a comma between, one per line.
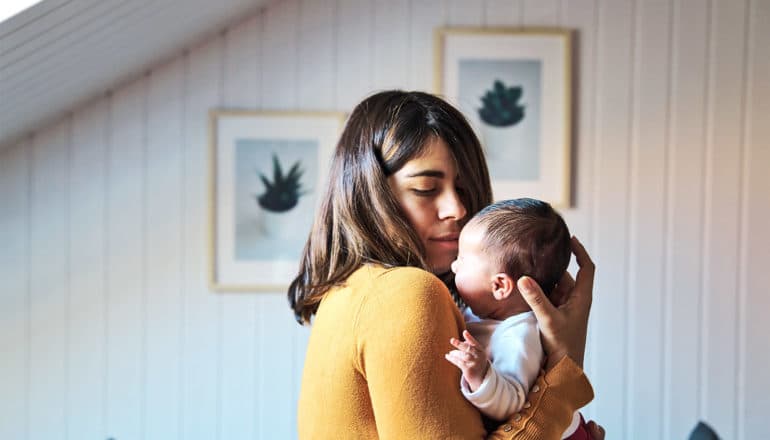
x=581, y=433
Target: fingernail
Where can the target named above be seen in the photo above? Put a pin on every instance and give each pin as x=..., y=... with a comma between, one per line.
x=525, y=284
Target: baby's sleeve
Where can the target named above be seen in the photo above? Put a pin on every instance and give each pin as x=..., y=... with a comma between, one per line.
x=516, y=358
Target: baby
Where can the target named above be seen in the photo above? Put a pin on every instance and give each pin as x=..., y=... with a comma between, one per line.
x=502, y=354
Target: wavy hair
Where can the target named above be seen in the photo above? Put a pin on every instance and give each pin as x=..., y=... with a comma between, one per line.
x=360, y=220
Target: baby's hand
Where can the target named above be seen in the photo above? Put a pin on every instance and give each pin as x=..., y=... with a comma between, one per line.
x=469, y=357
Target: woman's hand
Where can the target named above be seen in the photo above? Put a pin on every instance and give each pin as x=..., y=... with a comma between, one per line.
x=563, y=328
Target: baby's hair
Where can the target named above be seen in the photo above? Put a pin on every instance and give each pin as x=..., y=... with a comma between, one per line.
x=526, y=237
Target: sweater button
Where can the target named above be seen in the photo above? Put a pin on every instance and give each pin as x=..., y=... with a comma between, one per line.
x=507, y=428
x=527, y=405
x=535, y=388
x=517, y=417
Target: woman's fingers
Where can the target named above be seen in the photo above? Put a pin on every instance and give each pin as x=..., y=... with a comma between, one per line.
x=584, y=282
x=538, y=302
x=561, y=293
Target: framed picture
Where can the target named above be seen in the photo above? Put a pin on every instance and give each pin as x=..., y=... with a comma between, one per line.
x=514, y=86
x=268, y=171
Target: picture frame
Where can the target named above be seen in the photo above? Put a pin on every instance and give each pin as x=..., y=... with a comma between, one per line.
x=267, y=174
x=515, y=88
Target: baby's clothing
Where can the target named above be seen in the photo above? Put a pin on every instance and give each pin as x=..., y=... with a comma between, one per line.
x=516, y=355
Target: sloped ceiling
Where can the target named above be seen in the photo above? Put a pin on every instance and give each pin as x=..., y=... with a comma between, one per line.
x=59, y=54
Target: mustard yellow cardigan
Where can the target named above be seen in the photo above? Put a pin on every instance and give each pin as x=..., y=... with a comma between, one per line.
x=375, y=368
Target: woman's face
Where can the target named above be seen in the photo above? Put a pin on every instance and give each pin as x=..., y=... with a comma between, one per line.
x=427, y=189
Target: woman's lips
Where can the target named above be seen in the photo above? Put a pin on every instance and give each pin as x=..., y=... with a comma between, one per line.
x=448, y=240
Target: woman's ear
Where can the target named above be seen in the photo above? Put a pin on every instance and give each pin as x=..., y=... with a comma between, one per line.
x=502, y=286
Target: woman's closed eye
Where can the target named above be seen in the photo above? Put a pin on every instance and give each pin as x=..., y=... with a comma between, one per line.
x=424, y=191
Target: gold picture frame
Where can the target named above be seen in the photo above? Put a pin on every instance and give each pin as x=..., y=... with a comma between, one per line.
x=267, y=173
x=515, y=88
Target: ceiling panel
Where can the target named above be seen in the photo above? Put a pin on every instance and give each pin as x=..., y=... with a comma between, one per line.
x=61, y=53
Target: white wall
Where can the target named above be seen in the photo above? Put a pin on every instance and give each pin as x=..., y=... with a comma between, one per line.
x=107, y=328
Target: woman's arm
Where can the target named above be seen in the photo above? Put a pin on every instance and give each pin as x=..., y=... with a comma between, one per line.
x=402, y=334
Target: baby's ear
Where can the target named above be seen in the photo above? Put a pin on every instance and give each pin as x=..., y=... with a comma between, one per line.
x=503, y=286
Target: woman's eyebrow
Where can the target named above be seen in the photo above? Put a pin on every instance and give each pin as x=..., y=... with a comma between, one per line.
x=427, y=173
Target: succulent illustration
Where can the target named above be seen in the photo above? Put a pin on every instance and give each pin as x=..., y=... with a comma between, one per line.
x=501, y=105
x=283, y=193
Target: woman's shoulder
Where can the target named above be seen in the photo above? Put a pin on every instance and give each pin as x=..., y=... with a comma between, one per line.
x=403, y=288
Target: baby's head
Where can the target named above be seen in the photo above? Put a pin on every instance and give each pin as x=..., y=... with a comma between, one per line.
x=503, y=242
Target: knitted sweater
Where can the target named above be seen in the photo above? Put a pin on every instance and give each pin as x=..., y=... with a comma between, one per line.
x=375, y=368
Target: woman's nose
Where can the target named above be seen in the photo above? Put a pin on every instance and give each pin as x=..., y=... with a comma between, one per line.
x=452, y=206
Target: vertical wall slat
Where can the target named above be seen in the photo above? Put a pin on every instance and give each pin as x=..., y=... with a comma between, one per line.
x=425, y=16
x=49, y=252
x=355, y=52
x=200, y=405
x=279, y=49
x=163, y=272
x=722, y=212
x=465, y=12
x=581, y=16
x=391, y=60
x=15, y=168
x=611, y=212
x=316, y=59
x=648, y=204
x=87, y=300
x=686, y=157
x=502, y=13
x=239, y=339
x=541, y=12
x=243, y=69
x=755, y=384
x=126, y=320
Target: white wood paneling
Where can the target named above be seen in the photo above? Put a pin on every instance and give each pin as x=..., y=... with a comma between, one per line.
x=685, y=200
x=15, y=188
x=49, y=294
x=317, y=59
x=108, y=328
x=647, y=195
x=723, y=209
x=465, y=13
x=582, y=15
x=238, y=344
x=200, y=407
x=163, y=251
x=614, y=76
x=754, y=360
x=391, y=60
x=425, y=17
x=541, y=12
x=87, y=305
x=355, y=51
x=125, y=290
x=502, y=13
x=280, y=63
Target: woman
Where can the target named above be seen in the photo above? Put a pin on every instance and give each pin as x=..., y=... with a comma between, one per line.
x=406, y=174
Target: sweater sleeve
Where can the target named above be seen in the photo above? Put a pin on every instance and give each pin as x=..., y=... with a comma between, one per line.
x=402, y=333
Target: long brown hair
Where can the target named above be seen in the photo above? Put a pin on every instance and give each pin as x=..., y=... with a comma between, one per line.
x=360, y=221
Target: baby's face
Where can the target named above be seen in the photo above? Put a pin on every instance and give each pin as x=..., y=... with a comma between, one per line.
x=474, y=271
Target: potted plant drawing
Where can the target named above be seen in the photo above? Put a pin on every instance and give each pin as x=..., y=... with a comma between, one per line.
x=281, y=195
x=501, y=106
x=503, y=133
